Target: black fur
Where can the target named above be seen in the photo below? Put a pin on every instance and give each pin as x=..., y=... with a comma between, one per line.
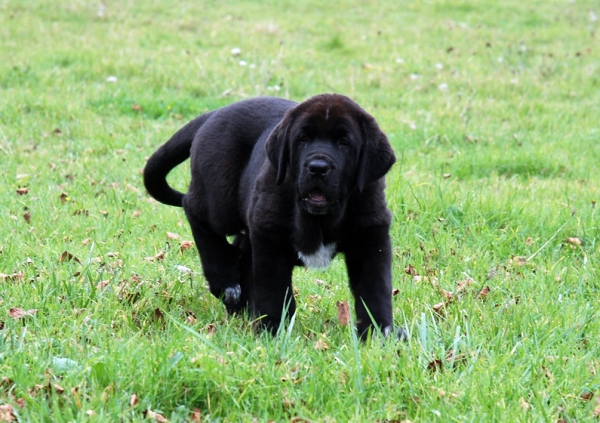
x=284, y=179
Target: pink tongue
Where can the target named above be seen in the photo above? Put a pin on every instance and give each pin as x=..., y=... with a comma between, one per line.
x=317, y=196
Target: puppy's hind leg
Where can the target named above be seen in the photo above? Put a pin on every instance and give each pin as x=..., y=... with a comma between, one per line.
x=242, y=241
x=220, y=261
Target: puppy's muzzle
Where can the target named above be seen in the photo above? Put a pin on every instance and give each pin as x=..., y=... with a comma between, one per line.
x=318, y=170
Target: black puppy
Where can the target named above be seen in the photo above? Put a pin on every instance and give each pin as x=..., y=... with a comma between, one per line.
x=296, y=184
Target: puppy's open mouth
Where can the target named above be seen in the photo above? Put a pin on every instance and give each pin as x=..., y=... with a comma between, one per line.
x=316, y=198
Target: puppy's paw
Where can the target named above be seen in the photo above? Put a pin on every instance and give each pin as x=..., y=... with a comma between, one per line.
x=402, y=335
x=232, y=295
x=267, y=324
x=386, y=331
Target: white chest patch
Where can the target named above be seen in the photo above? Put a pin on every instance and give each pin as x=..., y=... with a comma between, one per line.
x=321, y=258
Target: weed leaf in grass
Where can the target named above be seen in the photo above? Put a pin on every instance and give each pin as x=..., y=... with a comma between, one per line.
x=152, y=415
x=185, y=245
x=321, y=344
x=343, y=314
x=66, y=257
x=62, y=365
x=596, y=412
x=19, y=313
x=13, y=277
x=157, y=257
x=6, y=413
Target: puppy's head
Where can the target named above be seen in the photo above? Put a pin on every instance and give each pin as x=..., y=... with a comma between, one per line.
x=329, y=146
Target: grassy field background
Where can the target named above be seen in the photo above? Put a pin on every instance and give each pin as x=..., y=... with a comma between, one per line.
x=493, y=109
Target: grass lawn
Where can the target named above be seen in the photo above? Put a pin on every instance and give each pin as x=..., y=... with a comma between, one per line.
x=493, y=109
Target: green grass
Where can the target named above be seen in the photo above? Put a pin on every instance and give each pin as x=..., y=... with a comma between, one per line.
x=493, y=110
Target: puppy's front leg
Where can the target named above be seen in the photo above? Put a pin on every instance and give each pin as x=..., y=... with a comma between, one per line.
x=220, y=261
x=271, y=294
x=368, y=254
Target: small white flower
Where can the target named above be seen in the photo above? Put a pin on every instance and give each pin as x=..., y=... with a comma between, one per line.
x=443, y=86
x=111, y=79
x=236, y=51
x=439, y=66
x=399, y=61
x=414, y=76
x=593, y=16
x=243, y=63
x=412, y=126
x=514, y=81
x=500, y=59
x=183, y=269
x=252, y=66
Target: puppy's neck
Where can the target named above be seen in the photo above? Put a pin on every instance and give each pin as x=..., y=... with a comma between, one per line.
x=308, y=235
x=314, y=248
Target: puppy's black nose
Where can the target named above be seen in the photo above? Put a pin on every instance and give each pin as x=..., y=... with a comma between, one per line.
x=318, y=167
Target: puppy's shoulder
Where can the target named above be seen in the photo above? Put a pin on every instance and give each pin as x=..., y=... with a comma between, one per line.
x=369, y=207
x=267, y=205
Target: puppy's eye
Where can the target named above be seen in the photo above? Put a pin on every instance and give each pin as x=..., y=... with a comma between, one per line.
x=343, y=142
x=304, y=138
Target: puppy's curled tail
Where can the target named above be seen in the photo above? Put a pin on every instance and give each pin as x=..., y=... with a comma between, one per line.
x=166, y=158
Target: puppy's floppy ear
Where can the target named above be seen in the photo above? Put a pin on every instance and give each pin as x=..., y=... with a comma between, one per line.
x=376, y=156
x=278, y=148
